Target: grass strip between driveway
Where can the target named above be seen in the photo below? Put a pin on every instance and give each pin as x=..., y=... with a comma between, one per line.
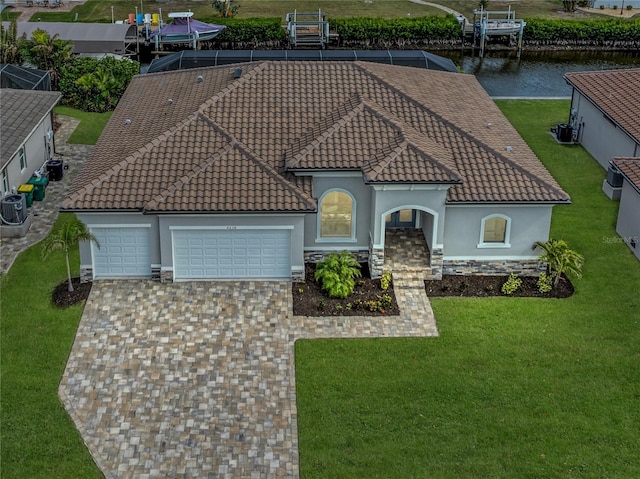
x=513, y=387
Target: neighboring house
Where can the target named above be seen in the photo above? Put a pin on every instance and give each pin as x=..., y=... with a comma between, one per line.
x=628, y=225
x=248, y=171
x=604, y=112
x=26, y=134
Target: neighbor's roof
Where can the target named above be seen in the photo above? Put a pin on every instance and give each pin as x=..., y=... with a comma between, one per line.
x=212, y=140
x=21, y=111
x=630, y=169
x=615, y=92
x=86, y=37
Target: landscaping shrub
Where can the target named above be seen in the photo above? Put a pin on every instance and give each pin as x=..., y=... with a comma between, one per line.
x=337, y=274
x=511, y=285
x=96, y=85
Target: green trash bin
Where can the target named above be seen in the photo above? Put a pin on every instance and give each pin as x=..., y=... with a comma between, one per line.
x=39, y=185
x=27, y=191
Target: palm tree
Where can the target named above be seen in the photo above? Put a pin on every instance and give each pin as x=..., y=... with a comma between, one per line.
x=67, y=236
x=47, y=52
x=560, y=259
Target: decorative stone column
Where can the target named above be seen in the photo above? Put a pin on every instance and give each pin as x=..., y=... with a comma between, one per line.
x=86, y=274
x=376, y=261
x=436, y=263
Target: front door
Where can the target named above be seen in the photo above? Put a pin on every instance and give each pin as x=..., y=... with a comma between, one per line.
x=401, y=219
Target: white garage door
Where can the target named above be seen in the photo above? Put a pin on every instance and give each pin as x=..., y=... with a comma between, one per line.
x=231, y=254
x=123, y=252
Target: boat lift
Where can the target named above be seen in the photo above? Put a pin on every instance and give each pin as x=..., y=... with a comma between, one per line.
x=506, y=24
x=307, y=29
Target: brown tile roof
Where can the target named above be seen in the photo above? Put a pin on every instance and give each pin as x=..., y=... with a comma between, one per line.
x=615, y=92
x=226, y=144
x=20, y=112
x=630, y=169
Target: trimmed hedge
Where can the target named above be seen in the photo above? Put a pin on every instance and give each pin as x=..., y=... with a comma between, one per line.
x=615, y=32
x=376, y=31
x=366, y=32
x=264, y=32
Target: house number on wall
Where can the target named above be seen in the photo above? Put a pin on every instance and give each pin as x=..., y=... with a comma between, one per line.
x=231, y=227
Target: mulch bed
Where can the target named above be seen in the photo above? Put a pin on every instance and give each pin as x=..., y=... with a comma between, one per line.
x=485, y=286
x=310, y=300
x=62, y=298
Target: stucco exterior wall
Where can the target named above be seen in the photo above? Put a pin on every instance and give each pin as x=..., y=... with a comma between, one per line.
x=528, y=224
x=36, y=154
x=354, y=184
x=119, y=219
x=628, y=224
x=599, y=135
x=169, y=222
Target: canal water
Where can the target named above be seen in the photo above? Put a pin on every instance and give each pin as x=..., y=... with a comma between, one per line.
x=538, y=74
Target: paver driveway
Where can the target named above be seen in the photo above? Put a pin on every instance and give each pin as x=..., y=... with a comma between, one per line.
x=197, y=379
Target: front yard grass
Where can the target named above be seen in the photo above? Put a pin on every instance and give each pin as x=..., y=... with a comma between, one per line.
x=38, y=437
x=513, y=387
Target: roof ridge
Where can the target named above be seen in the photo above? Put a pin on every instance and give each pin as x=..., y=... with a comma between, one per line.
x=266, y=167
x=261, y=66
x=132, y=158
x=460, y=131
x=327, y=125
x=409, y=135
x=187, y=177
x=384, y=158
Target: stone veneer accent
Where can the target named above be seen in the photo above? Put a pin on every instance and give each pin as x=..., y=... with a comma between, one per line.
x=316, y=256
x=297, y=276
x=156, y=273
x=166, y=276
x=436, y=263
x=86, y=274
x=467, y=267
x=376, y=261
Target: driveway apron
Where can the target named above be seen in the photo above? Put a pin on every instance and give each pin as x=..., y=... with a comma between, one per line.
x=197, y=379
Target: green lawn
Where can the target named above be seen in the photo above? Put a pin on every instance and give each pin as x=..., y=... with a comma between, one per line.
x=99, y=10
x=38, y=438
x=90, y=127
x=513, y=387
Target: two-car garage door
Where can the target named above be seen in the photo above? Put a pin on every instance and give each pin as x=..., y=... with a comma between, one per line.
x=232, y=254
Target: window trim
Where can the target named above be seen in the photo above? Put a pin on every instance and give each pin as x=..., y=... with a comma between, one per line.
x=22, y=157
x=507, y=232
x=336, y=239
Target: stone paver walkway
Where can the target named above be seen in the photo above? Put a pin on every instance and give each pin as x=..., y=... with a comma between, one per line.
x=45, y=212
x=197, y=379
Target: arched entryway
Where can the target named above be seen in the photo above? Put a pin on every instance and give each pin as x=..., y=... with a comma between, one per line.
x=408, y=232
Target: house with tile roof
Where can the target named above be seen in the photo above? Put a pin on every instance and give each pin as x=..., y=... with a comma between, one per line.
x=628, y=224
x=251, y=170
x=604, y=112
x=26, y=134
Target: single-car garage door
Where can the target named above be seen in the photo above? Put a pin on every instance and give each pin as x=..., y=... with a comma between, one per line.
x=232, y=254
x=123, y=252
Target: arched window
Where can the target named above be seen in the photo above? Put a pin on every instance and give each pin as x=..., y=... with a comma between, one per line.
x=337, y=211
x=495, y=231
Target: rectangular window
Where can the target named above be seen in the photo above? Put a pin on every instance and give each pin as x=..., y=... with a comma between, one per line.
x=5, y=181
x=495, y=230
x=23, y=159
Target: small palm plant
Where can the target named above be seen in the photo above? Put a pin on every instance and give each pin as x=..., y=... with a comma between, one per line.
x=337, y=273
x=560, y=259
x=69, y=235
